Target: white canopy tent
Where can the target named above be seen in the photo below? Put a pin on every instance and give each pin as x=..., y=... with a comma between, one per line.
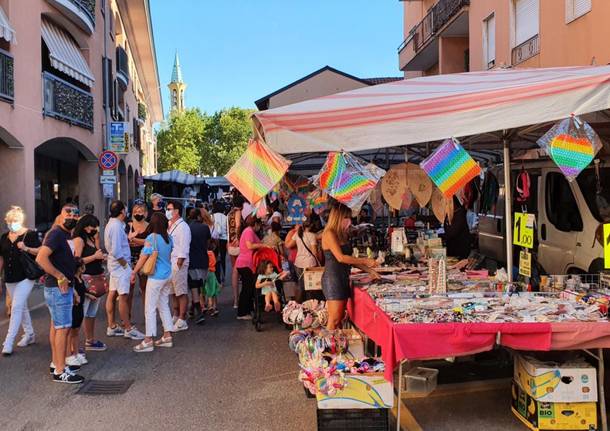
x=433, y=108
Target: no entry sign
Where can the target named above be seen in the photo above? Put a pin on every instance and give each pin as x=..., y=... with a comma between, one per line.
x=108, y=160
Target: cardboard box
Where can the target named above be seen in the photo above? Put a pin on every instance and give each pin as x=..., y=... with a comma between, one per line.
x=545, y=416
x=363, y=391
x=570, y=382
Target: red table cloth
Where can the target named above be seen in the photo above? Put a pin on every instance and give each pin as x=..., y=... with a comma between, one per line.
x=399, y=341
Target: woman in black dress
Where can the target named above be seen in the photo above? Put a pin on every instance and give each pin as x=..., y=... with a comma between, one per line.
x=137, y=231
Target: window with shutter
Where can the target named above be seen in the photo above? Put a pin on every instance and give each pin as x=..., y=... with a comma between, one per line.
x=576, y=8
x=527, y=20
x=489, y=41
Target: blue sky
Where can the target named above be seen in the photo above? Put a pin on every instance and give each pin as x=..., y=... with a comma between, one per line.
x=234, y=52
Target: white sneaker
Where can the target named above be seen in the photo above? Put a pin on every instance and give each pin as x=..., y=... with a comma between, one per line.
x=26, y=340
x=134, y=334
x=180, y=325
x=82, y=359
x=175, y=319
x=7, y=350
x=72, y=361
x=117, y=331
x=245, y=317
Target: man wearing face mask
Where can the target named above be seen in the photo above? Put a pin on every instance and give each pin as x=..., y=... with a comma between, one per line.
x=181, y=236
x=119, y=256
x=56, y=259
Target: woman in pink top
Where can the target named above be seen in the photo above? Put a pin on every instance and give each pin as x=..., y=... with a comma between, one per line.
x=248, y=243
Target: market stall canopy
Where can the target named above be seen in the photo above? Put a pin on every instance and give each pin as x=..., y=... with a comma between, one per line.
x=433, y=108
x=176, y=177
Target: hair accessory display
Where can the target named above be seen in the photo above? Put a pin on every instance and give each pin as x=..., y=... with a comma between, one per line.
x=310, y=314
x=257, y=171
x=450, y=167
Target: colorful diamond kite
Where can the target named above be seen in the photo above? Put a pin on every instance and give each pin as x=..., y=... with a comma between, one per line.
x=572, y=144
x=257, y=171
x=450, y=167
x=347, y=179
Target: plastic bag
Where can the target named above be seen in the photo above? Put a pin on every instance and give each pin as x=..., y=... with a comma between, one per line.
x=572, y=144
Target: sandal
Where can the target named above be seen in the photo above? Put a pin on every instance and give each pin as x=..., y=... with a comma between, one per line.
x=144, y=347
x=164, y=342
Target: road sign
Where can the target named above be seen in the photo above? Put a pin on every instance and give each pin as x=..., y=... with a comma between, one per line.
x=607, y=246
x=108, y=160
x=108, y=190
x=117, y=133
x=525, y=263
x=523, y=230
x=108, y=179
x=108, y=172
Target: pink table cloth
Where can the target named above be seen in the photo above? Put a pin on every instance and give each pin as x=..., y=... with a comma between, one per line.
x=400, y=341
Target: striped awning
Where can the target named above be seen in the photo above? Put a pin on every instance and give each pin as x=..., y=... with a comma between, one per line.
x=6, y=31
x=176, y=176
x=65, y=54
x=433, y=108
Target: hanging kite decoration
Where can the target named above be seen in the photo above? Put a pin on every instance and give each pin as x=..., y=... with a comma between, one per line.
x=347, y=179
x=572, y=144
x=257, y=171
x=296, y=210
x=450, y=167
x=317, y=201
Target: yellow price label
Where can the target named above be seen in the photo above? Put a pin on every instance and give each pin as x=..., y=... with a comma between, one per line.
x=607, y=246
x=523, y=230
x=525, y=263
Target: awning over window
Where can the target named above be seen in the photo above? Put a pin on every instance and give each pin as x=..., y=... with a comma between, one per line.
x=65, y=55
x=6, y=31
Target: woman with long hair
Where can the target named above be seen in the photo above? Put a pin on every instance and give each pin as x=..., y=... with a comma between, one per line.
x=85, y=248
x=306, y=244
x=158, y=284
x=234, y=224
x=19, y=239
x=137, y=231
x=338, y=262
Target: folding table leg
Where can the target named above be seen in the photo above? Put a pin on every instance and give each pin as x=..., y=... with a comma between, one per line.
x=601, y=371
x=399, y=396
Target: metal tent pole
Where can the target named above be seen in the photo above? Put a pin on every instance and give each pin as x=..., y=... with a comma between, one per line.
x=508, y=207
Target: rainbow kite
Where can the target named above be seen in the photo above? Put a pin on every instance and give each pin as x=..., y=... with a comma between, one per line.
x=348, y=180
x=450, y=167
x=572, y=144
x=257, y=171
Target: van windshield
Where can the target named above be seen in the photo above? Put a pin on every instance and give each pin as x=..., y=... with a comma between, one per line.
x=599, y=204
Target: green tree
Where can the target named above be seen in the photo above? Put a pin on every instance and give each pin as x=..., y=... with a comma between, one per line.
x=225, y=139
x=179, y=142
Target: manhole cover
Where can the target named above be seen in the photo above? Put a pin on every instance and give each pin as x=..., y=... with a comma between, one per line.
x=105, y=387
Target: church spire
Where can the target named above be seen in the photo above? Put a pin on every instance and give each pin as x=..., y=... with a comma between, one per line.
x=177, y=87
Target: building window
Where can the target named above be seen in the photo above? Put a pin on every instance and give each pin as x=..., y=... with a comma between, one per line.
x=527, y=20
x=489, y=41
x=576, y=8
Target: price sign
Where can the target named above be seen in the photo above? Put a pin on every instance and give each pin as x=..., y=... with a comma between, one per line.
x=607, y=246
x=525, y=263
x=523, y=230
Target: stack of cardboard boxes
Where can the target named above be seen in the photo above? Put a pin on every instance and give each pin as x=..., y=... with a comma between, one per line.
x=551, y=396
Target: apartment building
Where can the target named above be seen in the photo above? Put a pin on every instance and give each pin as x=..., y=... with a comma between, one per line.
x=68, y=68
x=448, y=36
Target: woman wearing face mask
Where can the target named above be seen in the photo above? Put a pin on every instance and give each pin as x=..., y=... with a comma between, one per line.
x=137, y=231
x=85, y=248
x=338, y=258
x=18, y=240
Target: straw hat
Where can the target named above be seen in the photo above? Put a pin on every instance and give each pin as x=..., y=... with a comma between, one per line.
x=394, y=185
x=419, y=183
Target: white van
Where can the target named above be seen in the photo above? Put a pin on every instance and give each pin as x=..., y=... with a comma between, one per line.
x=567, y=218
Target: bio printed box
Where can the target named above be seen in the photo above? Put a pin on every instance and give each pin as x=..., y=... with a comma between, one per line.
x=545, y=416
x=568, y=382
x=362, y=391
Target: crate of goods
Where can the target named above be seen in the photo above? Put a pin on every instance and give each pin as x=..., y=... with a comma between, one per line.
x=312, y=278
x=546, y=416
x=568, y=382
x=362, y=391
x=421, y=380
x=353, y=420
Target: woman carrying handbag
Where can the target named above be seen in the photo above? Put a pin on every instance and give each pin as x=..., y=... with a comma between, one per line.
x=155, y=262
x=20, y=271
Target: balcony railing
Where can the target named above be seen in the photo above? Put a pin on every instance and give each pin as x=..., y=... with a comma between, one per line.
x=122, y=66
x=81, y=12
x=87, y=7
x=526, y=50
x=7, y=83
x=439, y=15
x=67, y=102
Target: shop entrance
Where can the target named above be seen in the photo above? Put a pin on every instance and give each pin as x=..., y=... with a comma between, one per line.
x=56, y=177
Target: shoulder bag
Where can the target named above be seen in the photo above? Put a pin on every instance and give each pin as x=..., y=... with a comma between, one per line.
x=31, y=269
x=312, y=277
x=151, y=262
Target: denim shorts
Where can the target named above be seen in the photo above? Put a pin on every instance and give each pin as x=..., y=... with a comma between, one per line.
x=90, y=307
x=60, y=306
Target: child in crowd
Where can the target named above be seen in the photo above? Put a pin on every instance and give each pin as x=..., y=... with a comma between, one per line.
x=266, y=281
x=211, y=287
